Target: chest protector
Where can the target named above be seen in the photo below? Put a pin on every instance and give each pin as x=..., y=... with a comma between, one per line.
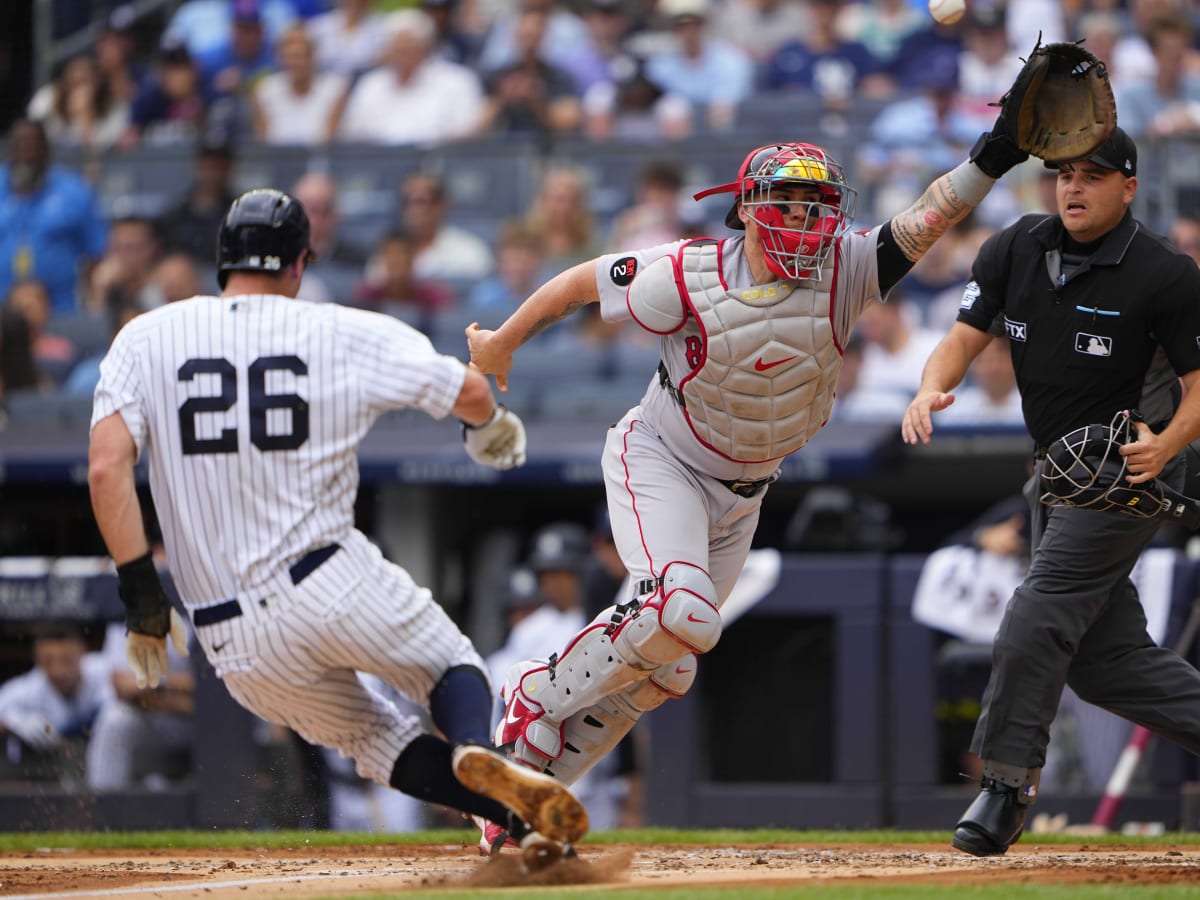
x=768, y=363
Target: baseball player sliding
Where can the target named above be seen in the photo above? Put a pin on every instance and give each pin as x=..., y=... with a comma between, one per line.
x=752, y=329
x=250, y=407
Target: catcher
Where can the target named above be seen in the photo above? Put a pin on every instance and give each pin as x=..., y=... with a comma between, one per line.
x=1102, y=319
x=751, y=335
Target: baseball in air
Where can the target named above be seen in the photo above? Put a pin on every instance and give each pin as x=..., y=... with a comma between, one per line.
x=947, y=11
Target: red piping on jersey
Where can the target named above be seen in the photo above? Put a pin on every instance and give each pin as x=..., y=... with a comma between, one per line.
x=633, y=499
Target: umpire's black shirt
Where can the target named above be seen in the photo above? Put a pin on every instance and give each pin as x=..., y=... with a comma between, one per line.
x=1111, y=335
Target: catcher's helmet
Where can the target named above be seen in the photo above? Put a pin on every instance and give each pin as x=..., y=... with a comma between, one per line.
x=792, y=252
x=1084, y=468
x=265, y=230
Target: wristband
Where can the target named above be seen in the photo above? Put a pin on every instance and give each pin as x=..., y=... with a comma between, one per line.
x=147, y=610
x=970, y=182
x=496, y=412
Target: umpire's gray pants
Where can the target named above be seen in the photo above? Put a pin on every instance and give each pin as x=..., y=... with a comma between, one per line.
x=1076, y=620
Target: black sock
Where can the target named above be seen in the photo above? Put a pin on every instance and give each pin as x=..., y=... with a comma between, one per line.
x=423, y=771
x=461, y=706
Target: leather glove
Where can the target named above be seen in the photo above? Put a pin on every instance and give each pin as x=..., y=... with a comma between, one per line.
x=147, y=654
x=499, y=442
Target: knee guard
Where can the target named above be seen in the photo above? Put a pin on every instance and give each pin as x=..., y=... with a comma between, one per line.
x=681, y=618
x=592, y=733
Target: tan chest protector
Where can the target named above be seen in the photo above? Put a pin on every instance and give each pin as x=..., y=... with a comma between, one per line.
x=768, y=361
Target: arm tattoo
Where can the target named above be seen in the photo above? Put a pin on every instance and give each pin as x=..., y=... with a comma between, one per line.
x=918, y=227
x=546, y=321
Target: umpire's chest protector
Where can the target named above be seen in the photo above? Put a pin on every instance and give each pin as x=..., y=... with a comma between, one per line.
x=763, y=360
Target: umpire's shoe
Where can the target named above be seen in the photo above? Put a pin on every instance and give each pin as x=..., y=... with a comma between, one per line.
x=546, y=804
x=993, y=821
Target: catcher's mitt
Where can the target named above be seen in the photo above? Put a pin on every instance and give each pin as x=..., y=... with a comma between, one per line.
x=1061, y=106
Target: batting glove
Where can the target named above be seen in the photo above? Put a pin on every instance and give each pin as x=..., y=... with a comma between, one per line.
x=149, y=618
x=147, y=655
x=499, y=442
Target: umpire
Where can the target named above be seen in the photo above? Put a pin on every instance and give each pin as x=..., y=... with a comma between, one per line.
x=1102, y=315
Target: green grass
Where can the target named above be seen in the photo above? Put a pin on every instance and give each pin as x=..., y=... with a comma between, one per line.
x=90, y=840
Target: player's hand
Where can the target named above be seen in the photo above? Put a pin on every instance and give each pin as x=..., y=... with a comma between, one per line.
x=34, y=730
x=1145, y=457
x=917, y=424
x=486, y=356
x=147, y=654
x=499, y=442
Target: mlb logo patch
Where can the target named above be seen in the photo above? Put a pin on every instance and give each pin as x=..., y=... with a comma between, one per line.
x=971, y=294
x=1093, y=344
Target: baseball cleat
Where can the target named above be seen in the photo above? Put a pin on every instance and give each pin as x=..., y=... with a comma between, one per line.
x=545, y=804
x=492, y=837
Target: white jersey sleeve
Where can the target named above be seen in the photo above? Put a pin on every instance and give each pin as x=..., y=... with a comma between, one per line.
x=616, y=271
x=858, y=280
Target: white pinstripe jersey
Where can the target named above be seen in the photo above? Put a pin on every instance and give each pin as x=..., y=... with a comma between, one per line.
x=250, y=410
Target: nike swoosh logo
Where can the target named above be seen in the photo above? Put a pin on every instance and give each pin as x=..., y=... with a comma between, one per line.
x=680, y=670
x=217, y=648
x=692, y=618
x=509, y=717
x=760, y=366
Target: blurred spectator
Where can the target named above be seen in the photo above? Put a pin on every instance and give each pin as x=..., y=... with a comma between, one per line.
x=519, y=261
x=18, y=371
x=192, y=224
x=990, y=396
x=116, y=49
x=171, y=105
x=608, y=22
x=561, y=216
x=1168, y=102
x=232, y=69
x=53, y=355
x=882, y=25
x=565, y=36
x=444, y=251
x=142, y=737
x=895, y=345
x=124, y=277
x=653, y=218
x=79, y=109
x=529, y=95
x=1132, y=57
x=415, y=97
x=1027, y=21
x=1099, y=32
x=987, y=59
x=760, y=27
x=349, y=39
x=339, y=265
x=207, y=24
x=1185, y=234
x=713, y=74
x=856, y=403
x=632, y=107
x=933, y=48
x=297, y=105
x=177, y=278
x=821, y=62
x=46, y=714
x=392, y=287
x=51, y=227
x=453, y=42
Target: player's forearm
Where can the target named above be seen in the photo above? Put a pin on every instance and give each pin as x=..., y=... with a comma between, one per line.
x=113, y=491
x=945, y=202
x=951, y=358
x=558, y=298
x=1184, y=426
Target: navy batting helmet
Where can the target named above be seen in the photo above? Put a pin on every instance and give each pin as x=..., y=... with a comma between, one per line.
x=560, y=545
x=265, y=230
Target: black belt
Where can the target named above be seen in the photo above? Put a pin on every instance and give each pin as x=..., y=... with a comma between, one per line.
x=301, y=569
x=748, y=488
